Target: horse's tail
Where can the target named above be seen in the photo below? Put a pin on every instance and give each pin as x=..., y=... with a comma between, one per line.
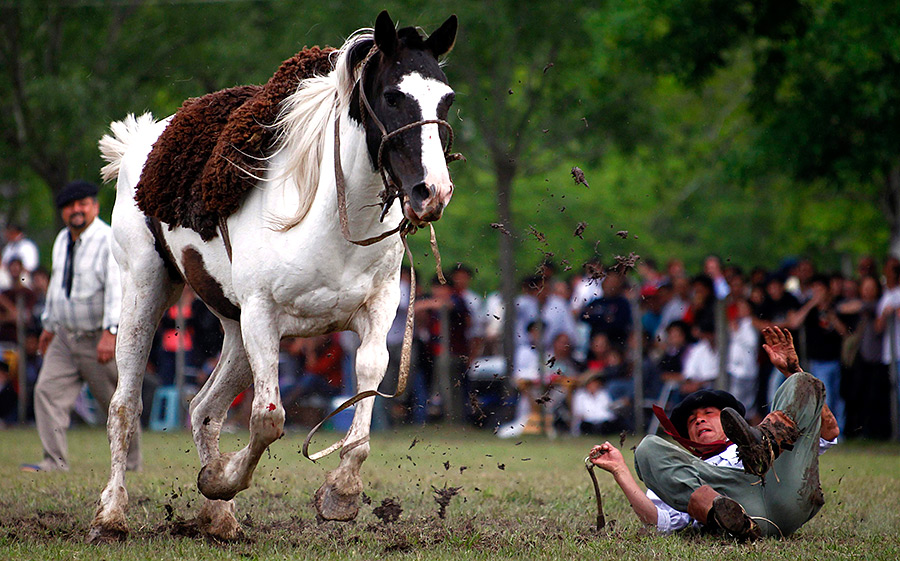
x=114, y=146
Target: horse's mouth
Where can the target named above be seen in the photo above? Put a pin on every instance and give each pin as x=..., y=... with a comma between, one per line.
x=430, y=213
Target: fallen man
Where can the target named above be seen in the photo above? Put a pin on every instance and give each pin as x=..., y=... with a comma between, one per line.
x=720, y=484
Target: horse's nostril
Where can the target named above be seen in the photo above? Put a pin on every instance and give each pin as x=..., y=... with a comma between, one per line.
x=421, y=192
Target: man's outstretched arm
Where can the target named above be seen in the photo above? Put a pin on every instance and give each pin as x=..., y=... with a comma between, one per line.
x=779, y=346
x=607, y=457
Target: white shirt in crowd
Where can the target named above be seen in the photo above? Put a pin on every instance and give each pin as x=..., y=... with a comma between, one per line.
x=890, y=299
x=593, y=408
x=526, y=364
x=702, y=362
x=584, y=291
x=742, y=350
x=24, y=250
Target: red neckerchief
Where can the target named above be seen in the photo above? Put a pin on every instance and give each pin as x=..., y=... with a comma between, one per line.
x=703, y=451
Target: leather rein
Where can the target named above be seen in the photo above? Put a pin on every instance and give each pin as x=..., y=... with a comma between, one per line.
x=391, y=191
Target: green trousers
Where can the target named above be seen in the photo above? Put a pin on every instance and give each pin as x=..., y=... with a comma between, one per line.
x=791, y=494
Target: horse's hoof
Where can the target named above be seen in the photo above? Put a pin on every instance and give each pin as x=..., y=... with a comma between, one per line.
x=214, y=484
x=217, y=520
x=100, y=534
x=331, y=504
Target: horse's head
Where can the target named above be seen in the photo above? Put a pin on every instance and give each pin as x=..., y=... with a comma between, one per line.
x=404, y=112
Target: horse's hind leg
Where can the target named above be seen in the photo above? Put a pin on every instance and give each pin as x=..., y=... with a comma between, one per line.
x=208, y=411
x=148, y=290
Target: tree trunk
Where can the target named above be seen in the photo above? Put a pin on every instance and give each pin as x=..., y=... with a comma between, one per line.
x=892, y=188
x=506, y=171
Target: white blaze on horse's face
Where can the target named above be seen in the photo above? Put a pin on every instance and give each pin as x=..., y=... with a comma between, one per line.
x=433, y=98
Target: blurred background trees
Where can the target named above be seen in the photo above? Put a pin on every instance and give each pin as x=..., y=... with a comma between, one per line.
x=753, y=129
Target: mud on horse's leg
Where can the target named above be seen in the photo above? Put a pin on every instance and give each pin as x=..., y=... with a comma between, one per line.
x=141, y=311
x=208, y=411
x=226, y=475
x=338, y=497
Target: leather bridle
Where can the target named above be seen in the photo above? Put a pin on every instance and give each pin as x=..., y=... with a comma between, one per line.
x=391, y=191
x=391, y=184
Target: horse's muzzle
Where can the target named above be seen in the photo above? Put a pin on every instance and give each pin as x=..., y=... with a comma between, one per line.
x=426, y=203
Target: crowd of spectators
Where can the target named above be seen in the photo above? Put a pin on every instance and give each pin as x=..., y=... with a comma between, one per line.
x=580, y=340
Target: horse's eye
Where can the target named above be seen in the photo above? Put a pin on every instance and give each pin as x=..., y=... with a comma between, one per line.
x=393, y=98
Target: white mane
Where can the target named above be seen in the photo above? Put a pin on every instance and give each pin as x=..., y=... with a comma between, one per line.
x=303, y=121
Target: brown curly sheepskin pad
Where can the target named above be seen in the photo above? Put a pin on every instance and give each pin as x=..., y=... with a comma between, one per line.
x=195, y=173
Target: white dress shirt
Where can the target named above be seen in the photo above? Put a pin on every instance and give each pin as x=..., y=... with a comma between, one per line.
x=96, y=294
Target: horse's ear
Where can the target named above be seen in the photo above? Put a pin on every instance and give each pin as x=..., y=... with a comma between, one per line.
x=442, y=40
x=386, y=34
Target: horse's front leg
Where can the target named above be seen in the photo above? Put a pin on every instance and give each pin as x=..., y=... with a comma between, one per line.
x=338, y=497
x=228, y=474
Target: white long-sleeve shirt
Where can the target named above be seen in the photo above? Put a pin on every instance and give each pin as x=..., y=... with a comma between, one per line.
x=742, y=350
x=702, y=362
x=670, y=520
x=96, y=294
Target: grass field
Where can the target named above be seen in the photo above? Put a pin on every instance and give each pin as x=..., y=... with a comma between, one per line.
x=522, y=499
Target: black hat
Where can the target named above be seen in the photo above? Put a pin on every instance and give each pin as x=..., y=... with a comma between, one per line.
x=75, y=191
x=702, y=398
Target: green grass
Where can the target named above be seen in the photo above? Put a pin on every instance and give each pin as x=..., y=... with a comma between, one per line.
x=540, y=506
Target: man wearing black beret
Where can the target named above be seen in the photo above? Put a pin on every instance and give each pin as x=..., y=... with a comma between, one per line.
x=714, y=482
x=80, y=321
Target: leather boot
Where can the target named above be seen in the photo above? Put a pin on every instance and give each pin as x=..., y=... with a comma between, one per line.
x=720, y=513
x=759, y=446
x=729, y=515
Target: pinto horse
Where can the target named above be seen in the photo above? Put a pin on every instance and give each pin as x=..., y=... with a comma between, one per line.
x=371, y=131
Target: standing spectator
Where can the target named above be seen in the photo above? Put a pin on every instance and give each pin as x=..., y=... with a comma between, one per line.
x=446, y=319
x=587, y=286
x=171, y=337
x=703, y=302
x=461, y=279
x=743, y=370
x=671, y=363
x=651, y=309
x=801, y=282
x=773, y=312
x=555, y=314
x=611, y=313
x=866, y=267
x=10, y=300
x=888, y=312
x=867, y=387
x=824, y=335
x=527, y=308
x=712, y=268
x=702, y=364
x=676, y=305
x=21, y=248
x=40, y=283
x=80, y=324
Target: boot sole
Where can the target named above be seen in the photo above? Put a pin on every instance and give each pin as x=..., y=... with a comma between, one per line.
x=752, y=447
x=731, y=517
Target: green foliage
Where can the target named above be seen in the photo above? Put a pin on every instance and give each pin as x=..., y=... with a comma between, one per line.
x=754, y=129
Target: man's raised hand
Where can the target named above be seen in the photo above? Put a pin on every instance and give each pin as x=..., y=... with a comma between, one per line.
x=779, y=346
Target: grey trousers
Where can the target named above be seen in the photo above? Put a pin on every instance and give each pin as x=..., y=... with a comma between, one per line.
x=791, y=494
x=71, y=360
